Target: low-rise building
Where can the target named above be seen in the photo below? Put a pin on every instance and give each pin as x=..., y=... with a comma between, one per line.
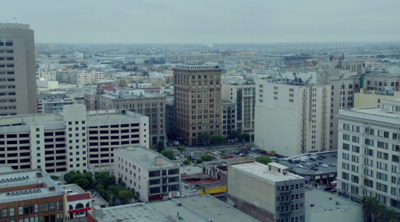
x=151, y=174
x=267, y=192
x=327, y=207
x=77, y=201
x=132, y=212
x=199, y=209
x=29, y=195
x=191, y=209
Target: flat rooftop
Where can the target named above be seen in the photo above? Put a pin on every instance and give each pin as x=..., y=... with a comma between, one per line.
x=261, y=171
x=134, y=96
x=75, y=188
x=325, y=201
x=145, y=157
x=39, y=179
x=190, y=170
x=196, y=68
x=130, y=213
x=200, y=208
x=372, y=115
x=13, y=26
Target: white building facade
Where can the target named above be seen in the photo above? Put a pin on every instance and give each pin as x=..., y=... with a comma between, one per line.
x=151, y=174
x=369, y=153
x=292, y=118
x=74, y=140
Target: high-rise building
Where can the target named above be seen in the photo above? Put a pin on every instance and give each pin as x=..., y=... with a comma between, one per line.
x=198, y=104
x=17, y=70
x=243, y=95
x=369, y=153
x=292, y=117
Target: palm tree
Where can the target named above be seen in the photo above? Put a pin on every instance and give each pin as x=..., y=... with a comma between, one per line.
x=370, y=207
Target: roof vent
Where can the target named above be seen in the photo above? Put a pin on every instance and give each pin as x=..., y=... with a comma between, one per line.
x=311, y=205
x=337, y=203
x=330, y=198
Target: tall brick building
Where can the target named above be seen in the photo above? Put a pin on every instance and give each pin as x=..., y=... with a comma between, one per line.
x=198, y=103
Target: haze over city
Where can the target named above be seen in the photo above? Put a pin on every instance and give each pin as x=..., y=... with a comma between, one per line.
x=208, y=21
x=199, y=111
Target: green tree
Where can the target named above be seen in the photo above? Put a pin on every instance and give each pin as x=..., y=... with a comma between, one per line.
x=263, y=159
x=234, y=134
x=204, y=138
x=181, y=148
x=105, y=179
x=115, y=189
x=205, y=158
x=199, y=161
x=169, y=154
x=72, y=176
x=99, y=187
x=244, y=137
x=83, y=183
x=108, y=195
x=217, y=139
x=125, y=195
x=370, y=207
x=54, y=177
x=160, y=146
x=186, y=162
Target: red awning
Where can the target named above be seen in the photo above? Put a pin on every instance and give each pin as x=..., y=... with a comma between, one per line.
x=79, y=210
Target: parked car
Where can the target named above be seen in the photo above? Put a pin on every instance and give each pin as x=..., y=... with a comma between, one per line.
x=263, y=152
x=175, y=143
x=329, y=188
x=253, y=148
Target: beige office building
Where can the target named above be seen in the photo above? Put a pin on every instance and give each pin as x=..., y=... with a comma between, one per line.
x=17, y=70
x=198, y=103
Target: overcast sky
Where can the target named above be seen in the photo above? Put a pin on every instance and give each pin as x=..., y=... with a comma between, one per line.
x=206, y=21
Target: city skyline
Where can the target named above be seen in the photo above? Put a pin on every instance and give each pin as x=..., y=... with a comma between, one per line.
x=206, y=21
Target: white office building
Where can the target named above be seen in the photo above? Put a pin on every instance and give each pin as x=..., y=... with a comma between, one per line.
x=151, y=174
x=73, y=140
x=292, y=117
x=369, y=153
